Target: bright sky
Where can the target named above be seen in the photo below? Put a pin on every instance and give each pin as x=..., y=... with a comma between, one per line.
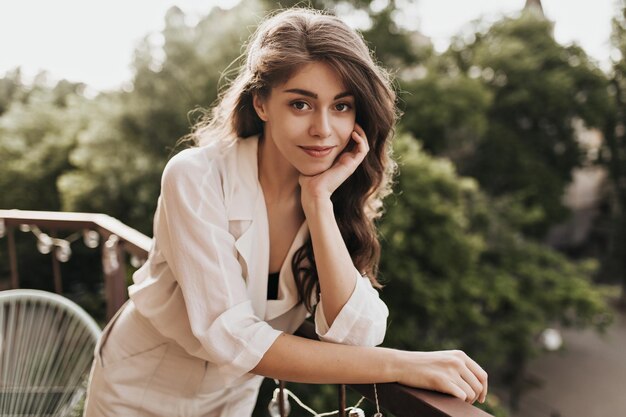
x=93, y=41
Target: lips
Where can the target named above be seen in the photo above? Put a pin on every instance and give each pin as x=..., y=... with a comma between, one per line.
x=317, y=151
x=317, y=148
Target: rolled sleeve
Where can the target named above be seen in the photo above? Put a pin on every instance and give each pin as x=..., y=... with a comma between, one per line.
x=204, y=278
x=247, y=341
x=362, y=321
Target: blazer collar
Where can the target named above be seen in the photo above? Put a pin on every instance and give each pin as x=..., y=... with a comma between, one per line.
x=247, y=202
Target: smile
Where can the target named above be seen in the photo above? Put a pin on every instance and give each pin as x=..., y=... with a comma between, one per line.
x=317, y=151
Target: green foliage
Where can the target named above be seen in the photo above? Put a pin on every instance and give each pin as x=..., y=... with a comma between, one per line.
x=11, y=89
x=540, y=88
x=119, y=158
x=112, y=173
x=449, y=112
x=37, y=136
x=392, y=44
x=460, y=277
x=502, y=104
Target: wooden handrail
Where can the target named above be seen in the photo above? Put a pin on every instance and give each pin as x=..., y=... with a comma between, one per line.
x=413, y=402
x=136, y=242
x=120, y=238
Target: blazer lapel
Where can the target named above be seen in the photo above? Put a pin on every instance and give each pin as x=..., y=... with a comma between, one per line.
x=246, y=203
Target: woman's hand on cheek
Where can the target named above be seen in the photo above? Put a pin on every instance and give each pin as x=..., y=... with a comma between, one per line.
x=321, y=186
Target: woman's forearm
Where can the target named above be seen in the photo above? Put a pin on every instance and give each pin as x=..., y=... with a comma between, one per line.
x=334, y=265
x=296, y=359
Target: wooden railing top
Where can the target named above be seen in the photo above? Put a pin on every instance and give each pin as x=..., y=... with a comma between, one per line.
x=136, y=242
x=413, y=402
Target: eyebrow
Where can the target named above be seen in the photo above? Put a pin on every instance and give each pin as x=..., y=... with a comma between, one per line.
x=313, y=95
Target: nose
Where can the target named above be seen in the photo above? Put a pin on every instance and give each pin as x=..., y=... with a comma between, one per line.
x=320, y=125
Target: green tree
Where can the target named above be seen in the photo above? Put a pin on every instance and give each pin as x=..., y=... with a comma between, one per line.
x=517, y=135
x=111, y=172
x=119, y=159
x=460, y=276
x=449, y=111
x=38, y=133
x=11, y=89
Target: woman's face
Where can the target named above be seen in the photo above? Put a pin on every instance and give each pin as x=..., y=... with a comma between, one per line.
x=308, y=119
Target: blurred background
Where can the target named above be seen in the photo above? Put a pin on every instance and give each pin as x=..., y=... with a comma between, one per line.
x=506, y=234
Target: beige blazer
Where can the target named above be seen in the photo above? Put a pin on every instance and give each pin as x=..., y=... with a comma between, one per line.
x=205, y=282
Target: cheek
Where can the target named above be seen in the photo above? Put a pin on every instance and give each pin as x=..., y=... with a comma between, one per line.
x=345, y=132
x=286, y=129
x=290, y=125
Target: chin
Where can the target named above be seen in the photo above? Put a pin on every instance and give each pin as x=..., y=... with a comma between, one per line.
x=313, y=170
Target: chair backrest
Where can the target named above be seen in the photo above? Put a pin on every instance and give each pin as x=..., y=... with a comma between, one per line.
x=46, y=349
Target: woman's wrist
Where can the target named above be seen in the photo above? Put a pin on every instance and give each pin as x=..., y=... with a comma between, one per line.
x=316, y=205
x=393, y=364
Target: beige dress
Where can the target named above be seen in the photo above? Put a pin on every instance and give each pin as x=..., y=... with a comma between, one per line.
x=198, y=319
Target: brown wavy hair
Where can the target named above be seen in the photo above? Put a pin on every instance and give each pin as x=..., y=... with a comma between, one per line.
x=283, y=42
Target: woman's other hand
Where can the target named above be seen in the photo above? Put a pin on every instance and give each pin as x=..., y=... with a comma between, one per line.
x=449, y=371
x=321, y=186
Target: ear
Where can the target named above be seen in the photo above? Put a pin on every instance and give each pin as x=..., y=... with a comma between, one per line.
x=259, y=106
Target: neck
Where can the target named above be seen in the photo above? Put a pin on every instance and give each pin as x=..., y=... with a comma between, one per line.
x=278, y=178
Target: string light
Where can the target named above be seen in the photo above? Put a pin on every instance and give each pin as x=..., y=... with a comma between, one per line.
x=274, y=406
x=111, y=263
x=61, y=247
x=44, y=244
x=136, y=262
x=91, y=238
x=356, y=412
x=63, y=251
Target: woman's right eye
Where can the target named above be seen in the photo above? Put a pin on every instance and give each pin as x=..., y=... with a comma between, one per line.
x=298, y=105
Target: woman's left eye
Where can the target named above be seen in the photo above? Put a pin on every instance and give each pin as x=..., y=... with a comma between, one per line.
x=346, y=106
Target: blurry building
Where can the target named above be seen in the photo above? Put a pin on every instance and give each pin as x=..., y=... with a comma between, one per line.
x=585, y=197
x=534, y=5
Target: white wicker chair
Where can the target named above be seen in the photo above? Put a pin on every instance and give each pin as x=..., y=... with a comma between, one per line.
x=46, y=349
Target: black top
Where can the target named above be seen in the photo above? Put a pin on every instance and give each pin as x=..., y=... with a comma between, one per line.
x=272, y=286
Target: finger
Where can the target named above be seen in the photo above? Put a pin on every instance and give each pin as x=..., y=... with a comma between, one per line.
x=361, y=142
x=359, y=129
x=362, y=134
x=480, y=374
x=470, y=394
x=473, y=382
x=453, y=389
x=485, y=389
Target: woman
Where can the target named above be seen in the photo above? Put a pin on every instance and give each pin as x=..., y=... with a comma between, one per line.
x=268, y=221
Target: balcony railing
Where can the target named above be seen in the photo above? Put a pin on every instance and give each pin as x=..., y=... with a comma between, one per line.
x=122, y=242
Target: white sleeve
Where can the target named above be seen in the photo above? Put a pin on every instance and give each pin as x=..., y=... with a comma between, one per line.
x=362, y=320
x=192, y=232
